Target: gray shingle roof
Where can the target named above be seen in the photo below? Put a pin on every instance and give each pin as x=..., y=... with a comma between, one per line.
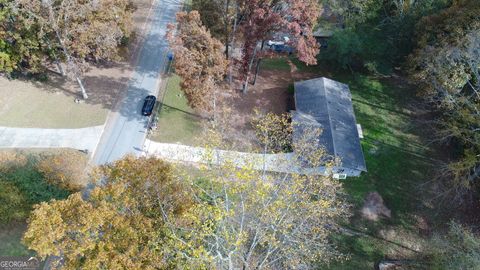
x=328, y=103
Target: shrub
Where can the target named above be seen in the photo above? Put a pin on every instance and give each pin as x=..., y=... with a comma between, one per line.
x=65, y=169
x=32, y=183
x=10, y=160
x=13, y=204
x=458, y=249
x=22, y=185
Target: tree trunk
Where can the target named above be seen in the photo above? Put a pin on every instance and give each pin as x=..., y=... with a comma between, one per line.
x=59, y=67
x=226, y=22
x=232, y=44
x=84, y=93
x=214, y=106
x=256, y=71
x=56, y=61
x=67, y=55
x=257, y=68
x=245, y=84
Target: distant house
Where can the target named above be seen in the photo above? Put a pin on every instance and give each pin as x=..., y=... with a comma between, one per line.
x=327, y=25
x=327, y=104
x=322, y=35
x=324, y=31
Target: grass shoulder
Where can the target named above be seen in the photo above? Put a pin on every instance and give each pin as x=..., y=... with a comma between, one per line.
x=177, y=122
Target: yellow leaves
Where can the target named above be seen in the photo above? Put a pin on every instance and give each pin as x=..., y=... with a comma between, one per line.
x=325, y=203
x=79, y=230
x=141, y=217
x=65, y=169
x=245, y=174
x=45, y=228
x=273, y=131
x=273, y=207
x=13, y=202
x=144, y=217
x=10, y=160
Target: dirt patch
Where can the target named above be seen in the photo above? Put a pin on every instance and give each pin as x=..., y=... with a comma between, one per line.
x=374, y=207
x=269, y=94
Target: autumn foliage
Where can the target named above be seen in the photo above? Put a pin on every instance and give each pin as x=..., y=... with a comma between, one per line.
x=10, y=160
x=13, y=203
x=80, y=29
x=272, y=220
x=138, y=218
x=199, y=60
x=34, y=34
x=261, y=20
x=65, y=169
x=446, y=67
x=273, y=131
x=146, y=214
x=22, y=186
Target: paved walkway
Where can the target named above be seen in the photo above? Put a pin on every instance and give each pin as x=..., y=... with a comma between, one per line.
x=184, y=153
x=80, y=138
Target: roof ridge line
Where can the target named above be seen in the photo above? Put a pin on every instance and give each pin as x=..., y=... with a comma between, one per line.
x=329, y=118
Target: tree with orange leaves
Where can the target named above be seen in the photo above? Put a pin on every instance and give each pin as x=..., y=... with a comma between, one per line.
x=199, y=60
x=262, y=19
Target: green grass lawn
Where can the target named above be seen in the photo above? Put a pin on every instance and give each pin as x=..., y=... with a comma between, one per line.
x=10, y=240
x=397, y=164
x=275, y=64
x=396, y=158
x=25, y=104
x=397, y=161
x=178, y=123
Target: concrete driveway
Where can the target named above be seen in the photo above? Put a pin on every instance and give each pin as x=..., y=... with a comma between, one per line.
x=79, y=138
x=125, y=130
x=281, y=162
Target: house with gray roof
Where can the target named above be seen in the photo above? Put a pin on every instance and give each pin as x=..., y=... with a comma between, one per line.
x=327, y=104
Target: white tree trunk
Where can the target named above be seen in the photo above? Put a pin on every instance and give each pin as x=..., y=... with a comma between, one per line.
x=245, y=85
x=67, y=54
x=60, y=68
x=84, y=93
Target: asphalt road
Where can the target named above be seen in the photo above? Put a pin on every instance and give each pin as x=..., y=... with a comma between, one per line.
x=125, y=131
